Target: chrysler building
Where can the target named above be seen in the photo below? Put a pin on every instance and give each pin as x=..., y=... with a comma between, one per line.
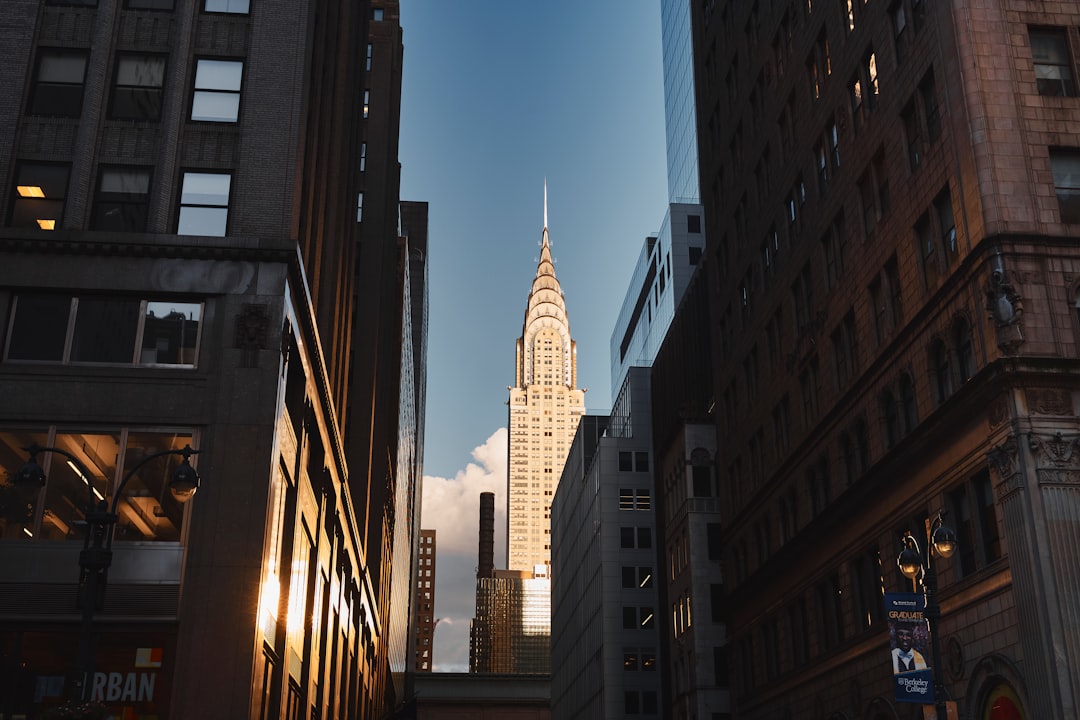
x=545, y=406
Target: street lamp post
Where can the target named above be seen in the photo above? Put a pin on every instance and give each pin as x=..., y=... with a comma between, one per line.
x=940, y=541
x=96, y=556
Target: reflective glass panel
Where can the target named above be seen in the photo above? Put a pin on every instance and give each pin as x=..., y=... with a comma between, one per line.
x=170, y=333
x=105, y=330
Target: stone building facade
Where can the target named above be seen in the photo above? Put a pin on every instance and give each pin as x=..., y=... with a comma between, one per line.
x=179, y=228
x=890, y=194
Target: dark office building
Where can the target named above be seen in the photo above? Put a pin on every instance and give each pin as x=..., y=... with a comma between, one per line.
x=195, y=194
x=890, y=193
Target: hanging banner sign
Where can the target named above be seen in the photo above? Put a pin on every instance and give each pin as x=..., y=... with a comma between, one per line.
x=909, y=648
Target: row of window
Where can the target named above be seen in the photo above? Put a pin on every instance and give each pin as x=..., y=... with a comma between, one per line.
x=122, y=200
x=146, y=512
x=236, y=7
x=951, y=361
x=104, y=329
x=849, y=601
x=138, y=86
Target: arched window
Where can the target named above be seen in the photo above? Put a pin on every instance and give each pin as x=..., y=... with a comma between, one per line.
x=965, y=354
x=910, y=412
x=939, y=366
x=891, y=417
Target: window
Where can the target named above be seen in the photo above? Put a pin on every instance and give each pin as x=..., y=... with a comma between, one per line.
x=634, y=577
x=965, y=354
x=148, y=511
x=1053, y=67
x=913, y=134
x=635, y=618
x=58, y=85
x=924, y=236
x=798, y=632
x=855, y=95
x=693, y=224
x=975, y=519
x=946, y=224
x=1066, y=167
x=831, y=614
x=217, y=90
x=39, y=195
x=137, y=92
x=891, y=418
x=626, y=461
x=633, y=499
x=122, y=200
x=639, y=538
x=150, y=4
x=57, y=328
x=939, y=366
x=868, y=586
x=834, y=247
x=803, y=298
x=810, y=390
x=870, y=69
x=845, y=346
x=928, y=95
x=236, y=7
x=817, y=476
x=900, y=34
x=907, y=402
x=204, y=204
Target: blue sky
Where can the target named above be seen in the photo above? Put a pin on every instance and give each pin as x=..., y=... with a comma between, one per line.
x=498, y=95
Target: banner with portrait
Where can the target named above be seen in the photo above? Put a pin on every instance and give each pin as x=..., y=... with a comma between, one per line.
x=909, y=648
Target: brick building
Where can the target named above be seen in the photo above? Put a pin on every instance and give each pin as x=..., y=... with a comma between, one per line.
x=186, y=225
x=891, y=214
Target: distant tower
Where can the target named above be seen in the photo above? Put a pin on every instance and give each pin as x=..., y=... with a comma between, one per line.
x=486, y=554
x=424, y=621
x=545, y=405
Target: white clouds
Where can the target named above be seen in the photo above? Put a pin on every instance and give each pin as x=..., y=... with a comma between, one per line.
x=451, y=506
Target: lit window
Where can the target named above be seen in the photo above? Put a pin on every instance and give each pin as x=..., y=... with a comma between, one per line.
x=137, y=93
x=58, y=87
x=122, y=201
x=217, y=90
x=40, y=191
x=204, y=204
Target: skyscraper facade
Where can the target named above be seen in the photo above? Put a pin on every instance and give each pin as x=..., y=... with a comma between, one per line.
x=605, y=632
x=544, y=406
x=890, y=193
x=181, y=264
x=424, y=620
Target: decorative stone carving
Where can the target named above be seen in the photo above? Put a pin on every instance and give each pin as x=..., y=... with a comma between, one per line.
x=1049, y=401
x=1004, y=463
x=1057, y=450
x=251, y=326
x=1006, y=309
x=998, y=412
x=1057, y=459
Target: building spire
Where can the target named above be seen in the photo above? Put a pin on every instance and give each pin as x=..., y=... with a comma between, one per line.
x=545, y=207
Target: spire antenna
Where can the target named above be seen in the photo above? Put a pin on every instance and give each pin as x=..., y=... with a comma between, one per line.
x=545, y=203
